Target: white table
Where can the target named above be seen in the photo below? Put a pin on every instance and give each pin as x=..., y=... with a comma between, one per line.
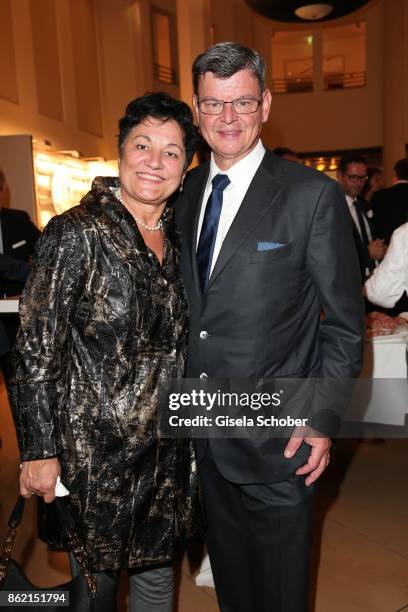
x=385, y=357
x=9, y=304
x=383, y=396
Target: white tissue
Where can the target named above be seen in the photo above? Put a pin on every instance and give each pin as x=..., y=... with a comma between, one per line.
x=60, y=490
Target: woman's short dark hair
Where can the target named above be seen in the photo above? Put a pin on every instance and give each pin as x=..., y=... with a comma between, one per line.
x=225, y=59
x=162, y=106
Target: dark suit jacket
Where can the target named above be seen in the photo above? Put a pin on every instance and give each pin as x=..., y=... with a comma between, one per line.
x=12, y=270
x=390, y=209
x=4, y=341
x=262, y=308
x=19, y=239
x=365, y=261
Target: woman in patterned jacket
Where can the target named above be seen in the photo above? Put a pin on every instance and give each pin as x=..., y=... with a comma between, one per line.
x=103, y=330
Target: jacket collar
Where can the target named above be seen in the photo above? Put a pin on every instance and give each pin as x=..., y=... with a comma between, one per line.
x=260, y=198
x=114, y=219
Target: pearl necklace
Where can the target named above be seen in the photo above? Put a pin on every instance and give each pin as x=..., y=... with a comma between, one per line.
x=149, y=228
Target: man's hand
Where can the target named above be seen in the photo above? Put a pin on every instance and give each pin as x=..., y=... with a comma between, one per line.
x=377, y=249
x=39, y=478
x=319, y=455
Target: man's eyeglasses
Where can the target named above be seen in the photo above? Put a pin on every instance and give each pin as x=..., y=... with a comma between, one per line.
x=360, y=178
x=242, y=106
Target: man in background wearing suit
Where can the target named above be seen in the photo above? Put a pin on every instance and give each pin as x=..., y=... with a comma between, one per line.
x=390, y=206
x=352, y=174
x=18, y=237
x=12, y=270
x=267, y=247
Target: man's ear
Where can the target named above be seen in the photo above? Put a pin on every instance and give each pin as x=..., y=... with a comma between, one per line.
x=266, y=105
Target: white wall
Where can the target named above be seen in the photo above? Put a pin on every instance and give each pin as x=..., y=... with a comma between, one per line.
x=327, y=120
x=102, y=62
x=123, y=69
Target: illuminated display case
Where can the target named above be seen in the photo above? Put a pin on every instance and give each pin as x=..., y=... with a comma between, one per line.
x=62, y=179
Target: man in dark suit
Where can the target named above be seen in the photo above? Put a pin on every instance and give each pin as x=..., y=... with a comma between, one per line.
x=12, y=270
x=18, y=237
x=390, y=206
x=352, y=174
x=268, y=246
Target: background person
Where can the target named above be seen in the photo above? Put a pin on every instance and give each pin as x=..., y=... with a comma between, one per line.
x=390, y=206
x=374, y=183
x=18, y=237
x=352, y=175
x=286, y=153
x=390, y=280
x=103, y=330
x=14, y=271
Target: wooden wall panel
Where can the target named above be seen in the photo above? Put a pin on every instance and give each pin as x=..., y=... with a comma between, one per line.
x=85, y=57
x=8, y=70
x=46, y=58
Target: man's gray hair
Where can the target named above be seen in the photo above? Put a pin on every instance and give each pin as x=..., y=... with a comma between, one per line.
x=225, y=59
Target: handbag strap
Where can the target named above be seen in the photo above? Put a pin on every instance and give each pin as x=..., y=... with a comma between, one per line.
x=13, y=522
x=77, y=547
x=67, y=524
x=17, y=513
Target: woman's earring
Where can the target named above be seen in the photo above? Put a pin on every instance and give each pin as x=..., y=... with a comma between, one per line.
x=181, y=188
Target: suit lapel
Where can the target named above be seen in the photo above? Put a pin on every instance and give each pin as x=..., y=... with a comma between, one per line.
x=260, y=198
x=192, y=219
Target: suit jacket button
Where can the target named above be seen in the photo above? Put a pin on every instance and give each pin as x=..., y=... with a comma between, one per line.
x=203, y=335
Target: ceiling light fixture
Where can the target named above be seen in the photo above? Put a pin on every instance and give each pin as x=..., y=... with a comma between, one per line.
x=313, y=12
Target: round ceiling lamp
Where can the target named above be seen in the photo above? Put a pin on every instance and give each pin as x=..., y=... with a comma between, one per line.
x=313, y=12
x=299, y=11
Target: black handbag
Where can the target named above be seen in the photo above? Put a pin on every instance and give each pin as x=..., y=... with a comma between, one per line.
x=81, y=589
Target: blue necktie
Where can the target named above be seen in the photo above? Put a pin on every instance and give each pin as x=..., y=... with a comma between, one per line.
x=209, y=228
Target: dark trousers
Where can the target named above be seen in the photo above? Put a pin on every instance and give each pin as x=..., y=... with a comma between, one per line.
x=259, y=540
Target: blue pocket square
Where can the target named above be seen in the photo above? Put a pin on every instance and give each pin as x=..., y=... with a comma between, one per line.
x=268, y=246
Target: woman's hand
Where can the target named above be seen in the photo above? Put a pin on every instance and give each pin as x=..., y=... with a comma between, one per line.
x=39, y=478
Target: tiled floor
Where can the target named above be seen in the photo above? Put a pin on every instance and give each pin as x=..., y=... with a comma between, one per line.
x=361, y=531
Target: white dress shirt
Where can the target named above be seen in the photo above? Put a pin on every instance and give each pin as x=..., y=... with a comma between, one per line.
x=390, y=279
x=353, y=212
x=240, y=175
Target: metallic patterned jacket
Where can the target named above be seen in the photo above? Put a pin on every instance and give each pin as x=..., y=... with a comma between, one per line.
x=102, y=333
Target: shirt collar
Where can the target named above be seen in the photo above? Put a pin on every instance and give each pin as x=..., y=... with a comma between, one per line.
x=243, y=171
x=350, y=200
